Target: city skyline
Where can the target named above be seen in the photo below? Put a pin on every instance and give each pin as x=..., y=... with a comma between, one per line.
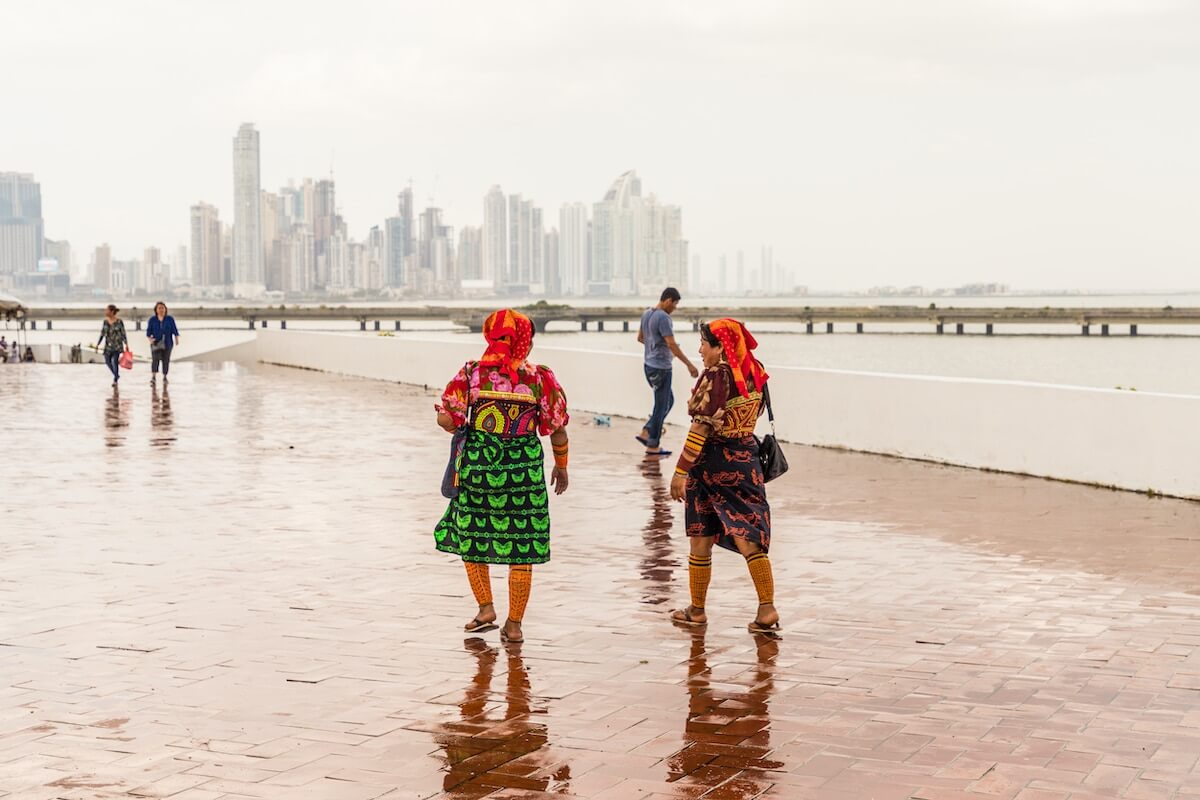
x=1041, y=144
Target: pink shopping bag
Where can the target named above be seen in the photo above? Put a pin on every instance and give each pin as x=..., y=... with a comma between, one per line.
x=127, y=360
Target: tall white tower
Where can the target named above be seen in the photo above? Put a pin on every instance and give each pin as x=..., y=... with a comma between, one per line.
x=249, y=279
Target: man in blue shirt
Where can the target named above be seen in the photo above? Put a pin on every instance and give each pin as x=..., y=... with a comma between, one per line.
x=657, y=335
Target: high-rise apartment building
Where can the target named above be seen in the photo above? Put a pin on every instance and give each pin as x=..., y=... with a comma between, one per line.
x=22, y=231
x=470, y=254
x=60, y=251
x=248, y=275
x=574, y=249
x=637, y=242
x=552, y=280
x=495, y=236
x=325, y=223
x=400, y=245
x=206, y=248
x=102, y=267
x=272, y=221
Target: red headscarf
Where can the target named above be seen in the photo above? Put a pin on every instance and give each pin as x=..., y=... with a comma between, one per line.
x=509, y=336
x=737, y=342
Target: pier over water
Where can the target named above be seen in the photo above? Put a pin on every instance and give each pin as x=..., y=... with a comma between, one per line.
x=829, y=319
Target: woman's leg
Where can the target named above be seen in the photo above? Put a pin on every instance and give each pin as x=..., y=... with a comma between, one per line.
x=480, y=578
x=166, y=362
x=699, y=575
x=155, y=358
x=764, y=580
x=520, y=583
x=113, y=360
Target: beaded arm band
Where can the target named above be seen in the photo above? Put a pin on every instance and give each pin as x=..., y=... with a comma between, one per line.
x=691, y=451
x=560, y=454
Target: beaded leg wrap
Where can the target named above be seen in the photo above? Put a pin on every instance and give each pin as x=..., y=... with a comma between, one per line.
x=480, y=578
x=699, y=574
x=760, y=572
x=520, y=581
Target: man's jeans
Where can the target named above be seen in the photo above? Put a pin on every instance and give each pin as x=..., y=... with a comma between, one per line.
x=664, y=398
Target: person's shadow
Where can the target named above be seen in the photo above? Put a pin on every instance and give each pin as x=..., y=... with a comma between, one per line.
x=116, y=419
x=658, y=563
x=162, y=420
x=739, y=717
x=489, y=735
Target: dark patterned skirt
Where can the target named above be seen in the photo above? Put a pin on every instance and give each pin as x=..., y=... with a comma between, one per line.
x=501, y=514
x=726, y=496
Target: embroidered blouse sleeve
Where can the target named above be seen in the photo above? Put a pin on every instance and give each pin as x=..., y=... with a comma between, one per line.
x=552, y=403
x=456, y=400
x=710, y=395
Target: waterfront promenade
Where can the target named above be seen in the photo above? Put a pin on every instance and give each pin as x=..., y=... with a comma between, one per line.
x=231, y=593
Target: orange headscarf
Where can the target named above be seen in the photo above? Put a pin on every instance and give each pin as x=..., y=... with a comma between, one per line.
x=737, y=342
x=509, y=336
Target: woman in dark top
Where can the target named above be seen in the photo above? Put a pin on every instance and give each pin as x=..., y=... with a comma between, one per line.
x=112, y=336
x=719, y=473
x=163, y=336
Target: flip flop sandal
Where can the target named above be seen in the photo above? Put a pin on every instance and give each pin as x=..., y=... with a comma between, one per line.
x=660, y=453
x=759, y=627
x=644, y=440
x=683, y=616
x=479, y=626
x=504, y=637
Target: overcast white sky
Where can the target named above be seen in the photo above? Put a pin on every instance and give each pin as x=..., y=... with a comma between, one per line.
x=1043, y=143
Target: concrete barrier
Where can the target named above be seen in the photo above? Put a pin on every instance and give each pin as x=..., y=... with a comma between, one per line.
x=1139, y=441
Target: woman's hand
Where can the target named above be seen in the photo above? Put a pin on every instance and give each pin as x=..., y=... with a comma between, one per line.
x=558, y=479
x=678, y=487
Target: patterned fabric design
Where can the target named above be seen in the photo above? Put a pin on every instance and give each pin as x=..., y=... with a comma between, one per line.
x=726, y=498
x=760, y=572
x=737, y=342
x=534, y=384
x=699, y=575
x=716, y=389
x=501, y=514
x=520, y=583
x=506, y=417
x=113, y=336
x=480, y=578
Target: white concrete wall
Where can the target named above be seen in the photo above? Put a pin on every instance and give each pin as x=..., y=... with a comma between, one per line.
x=1131, y=440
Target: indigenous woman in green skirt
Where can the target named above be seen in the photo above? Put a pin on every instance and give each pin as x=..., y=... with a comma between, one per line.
x=501, y=514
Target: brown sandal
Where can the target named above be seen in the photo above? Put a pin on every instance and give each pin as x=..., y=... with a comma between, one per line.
x=683, y=616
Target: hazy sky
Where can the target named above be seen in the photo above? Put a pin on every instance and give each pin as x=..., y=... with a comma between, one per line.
x=1043, y=143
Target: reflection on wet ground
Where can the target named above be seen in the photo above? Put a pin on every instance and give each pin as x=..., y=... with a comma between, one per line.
x=231, y=593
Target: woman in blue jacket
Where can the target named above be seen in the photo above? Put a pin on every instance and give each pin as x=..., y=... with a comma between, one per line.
x=163, y=335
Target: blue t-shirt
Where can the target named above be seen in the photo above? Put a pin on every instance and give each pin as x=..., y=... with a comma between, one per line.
x=656, y=326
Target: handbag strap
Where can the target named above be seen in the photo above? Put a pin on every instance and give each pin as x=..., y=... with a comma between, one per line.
x=770, y=411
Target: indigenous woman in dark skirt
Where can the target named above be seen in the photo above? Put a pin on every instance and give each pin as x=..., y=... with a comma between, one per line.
x=501, y=514
x=719, y=474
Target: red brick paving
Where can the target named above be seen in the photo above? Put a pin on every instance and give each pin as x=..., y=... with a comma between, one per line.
x=234, y=595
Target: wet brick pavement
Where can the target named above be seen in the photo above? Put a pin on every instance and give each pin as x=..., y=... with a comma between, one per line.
x=231, y=592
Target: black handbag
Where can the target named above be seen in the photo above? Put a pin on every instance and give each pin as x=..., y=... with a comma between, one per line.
x=450, y=476
x=770, y=454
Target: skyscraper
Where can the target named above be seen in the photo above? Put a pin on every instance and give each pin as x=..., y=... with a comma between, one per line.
x=102, y=268
x=205, y=247
x=495, y=236
x=574, y=249
x=22, y=231
x=400, y=247
x=248, y=275
x=615, y=223
x=470, y=254
x=552, y=280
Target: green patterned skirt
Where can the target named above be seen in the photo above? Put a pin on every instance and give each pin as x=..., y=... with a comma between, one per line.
x=501, y=514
